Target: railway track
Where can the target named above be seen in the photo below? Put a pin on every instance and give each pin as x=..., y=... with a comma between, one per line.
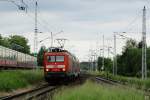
x=31, y=94
x=117, y=83
x=43, y=91
x=108, y=81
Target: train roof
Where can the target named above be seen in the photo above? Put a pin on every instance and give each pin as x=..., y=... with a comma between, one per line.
x=56, y=49
x=60, y=50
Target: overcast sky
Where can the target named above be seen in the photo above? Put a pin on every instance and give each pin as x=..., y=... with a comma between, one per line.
x=84, y=22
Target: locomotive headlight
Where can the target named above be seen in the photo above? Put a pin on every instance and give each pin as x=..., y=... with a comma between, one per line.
x=47, y=70
x=64, y=69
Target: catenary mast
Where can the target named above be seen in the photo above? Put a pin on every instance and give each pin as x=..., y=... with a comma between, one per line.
x=144, y=63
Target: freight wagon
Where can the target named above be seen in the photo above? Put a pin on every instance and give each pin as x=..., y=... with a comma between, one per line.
x=13, y=59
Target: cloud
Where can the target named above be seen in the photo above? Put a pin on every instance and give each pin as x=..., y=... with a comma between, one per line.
x=81, y=21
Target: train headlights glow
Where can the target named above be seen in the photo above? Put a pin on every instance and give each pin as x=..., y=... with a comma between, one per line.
x=64, y=69
x=47, y=70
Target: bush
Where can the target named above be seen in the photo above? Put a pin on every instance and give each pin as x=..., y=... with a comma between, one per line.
x=93, y=91
x=131, y=81
x=10, y=80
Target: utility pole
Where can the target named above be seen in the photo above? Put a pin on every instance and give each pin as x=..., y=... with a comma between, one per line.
x=109, y=47
x=114, y=58
x=89, y=64
x=95, y=60
x=144, y=63
x=92, y=60
x=96, y=52
x=103, y=54
x=108, y=51
x=51, y=39
x=35, y=30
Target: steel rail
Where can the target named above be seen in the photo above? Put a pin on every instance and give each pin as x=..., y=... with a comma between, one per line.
x=114, y=82
x=29, y=95
x=107, y=81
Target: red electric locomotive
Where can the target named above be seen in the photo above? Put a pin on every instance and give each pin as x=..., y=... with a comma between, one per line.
x=60, y=64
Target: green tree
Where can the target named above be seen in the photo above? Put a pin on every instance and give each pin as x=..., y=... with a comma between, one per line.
x=140, y=44
x=100, y=63
x=129, y=63
x=148, y=61
x=0, y=39
x=40, y=56
x=107, y=64
x=84, y=65
x=130, y=44
x=5, y=42
x=19, y=43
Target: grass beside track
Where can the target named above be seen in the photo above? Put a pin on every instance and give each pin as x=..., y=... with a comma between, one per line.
x=14, y=79
x=94, y=91
x=131, y=81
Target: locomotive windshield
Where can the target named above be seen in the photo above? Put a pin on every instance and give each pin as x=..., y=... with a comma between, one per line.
x=59, y=58
x=51, y=58
x=55, y=58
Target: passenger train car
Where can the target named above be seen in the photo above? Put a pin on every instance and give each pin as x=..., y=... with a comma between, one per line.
x=60, y=64
x=13, y=59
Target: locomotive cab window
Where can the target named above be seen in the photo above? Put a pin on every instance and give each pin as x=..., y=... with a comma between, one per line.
x=51, y=58
x=55, y=58
x=59, y=58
